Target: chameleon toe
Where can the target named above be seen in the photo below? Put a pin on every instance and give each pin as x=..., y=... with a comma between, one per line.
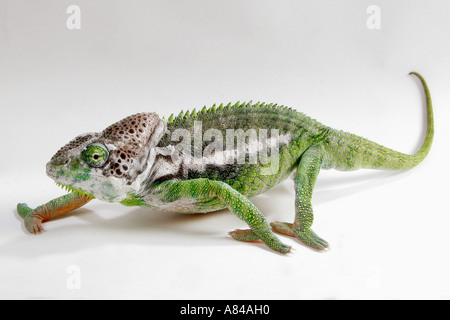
x=248, y=235
x=244, y=235
x=307, y=237
x=312, y=240
x=282, y=228
x=33, y=225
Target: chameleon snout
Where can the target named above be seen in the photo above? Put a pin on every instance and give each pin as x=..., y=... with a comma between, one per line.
x=50, y=169
x=54, y=169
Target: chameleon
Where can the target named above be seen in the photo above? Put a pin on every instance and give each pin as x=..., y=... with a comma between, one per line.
x=180, y=165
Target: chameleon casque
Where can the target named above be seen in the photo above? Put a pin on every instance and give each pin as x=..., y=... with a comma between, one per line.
x=137, y=162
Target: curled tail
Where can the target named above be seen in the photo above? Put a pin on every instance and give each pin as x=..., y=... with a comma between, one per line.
x=355, y=152
x=426, y=146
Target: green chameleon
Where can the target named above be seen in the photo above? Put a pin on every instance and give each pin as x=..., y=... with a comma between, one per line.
x=183, y=164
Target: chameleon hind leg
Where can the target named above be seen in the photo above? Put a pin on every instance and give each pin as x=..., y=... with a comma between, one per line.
x=305, y=180
x=33, y=218
x=241, y=206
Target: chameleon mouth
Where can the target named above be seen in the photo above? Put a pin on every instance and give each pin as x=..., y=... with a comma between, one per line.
x=76, y=191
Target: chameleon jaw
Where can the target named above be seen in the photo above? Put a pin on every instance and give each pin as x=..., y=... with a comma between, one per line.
x=75, y=191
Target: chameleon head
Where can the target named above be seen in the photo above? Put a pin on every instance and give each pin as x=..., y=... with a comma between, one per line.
x=107, y=164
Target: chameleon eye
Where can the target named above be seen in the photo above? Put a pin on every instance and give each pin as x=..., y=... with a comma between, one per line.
x=95, y=155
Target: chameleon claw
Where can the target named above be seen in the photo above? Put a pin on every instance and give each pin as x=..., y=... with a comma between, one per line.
x=285, y=249
x=292, y=251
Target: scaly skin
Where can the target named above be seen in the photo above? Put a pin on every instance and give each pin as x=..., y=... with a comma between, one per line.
x=35, y=217
x=183, y=165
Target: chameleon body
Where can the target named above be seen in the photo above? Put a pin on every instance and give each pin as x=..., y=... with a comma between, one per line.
x=207, y=160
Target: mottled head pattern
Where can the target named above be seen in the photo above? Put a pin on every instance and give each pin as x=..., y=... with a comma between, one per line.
x=103, y=164
x=61, y=157
x=130, y=137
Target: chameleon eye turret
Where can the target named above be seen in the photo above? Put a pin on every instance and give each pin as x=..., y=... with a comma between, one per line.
x=95, y=155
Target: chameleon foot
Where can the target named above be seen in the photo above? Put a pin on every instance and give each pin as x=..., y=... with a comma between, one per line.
x=308, y=237
x=249, y=235
x=244, y=235
x=33, y=224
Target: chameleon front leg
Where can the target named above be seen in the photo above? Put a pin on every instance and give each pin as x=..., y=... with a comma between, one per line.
x=33, y=218
x=305, y=180
x=238, y=204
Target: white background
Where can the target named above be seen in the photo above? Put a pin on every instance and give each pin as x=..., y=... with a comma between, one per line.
x=389, y=231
